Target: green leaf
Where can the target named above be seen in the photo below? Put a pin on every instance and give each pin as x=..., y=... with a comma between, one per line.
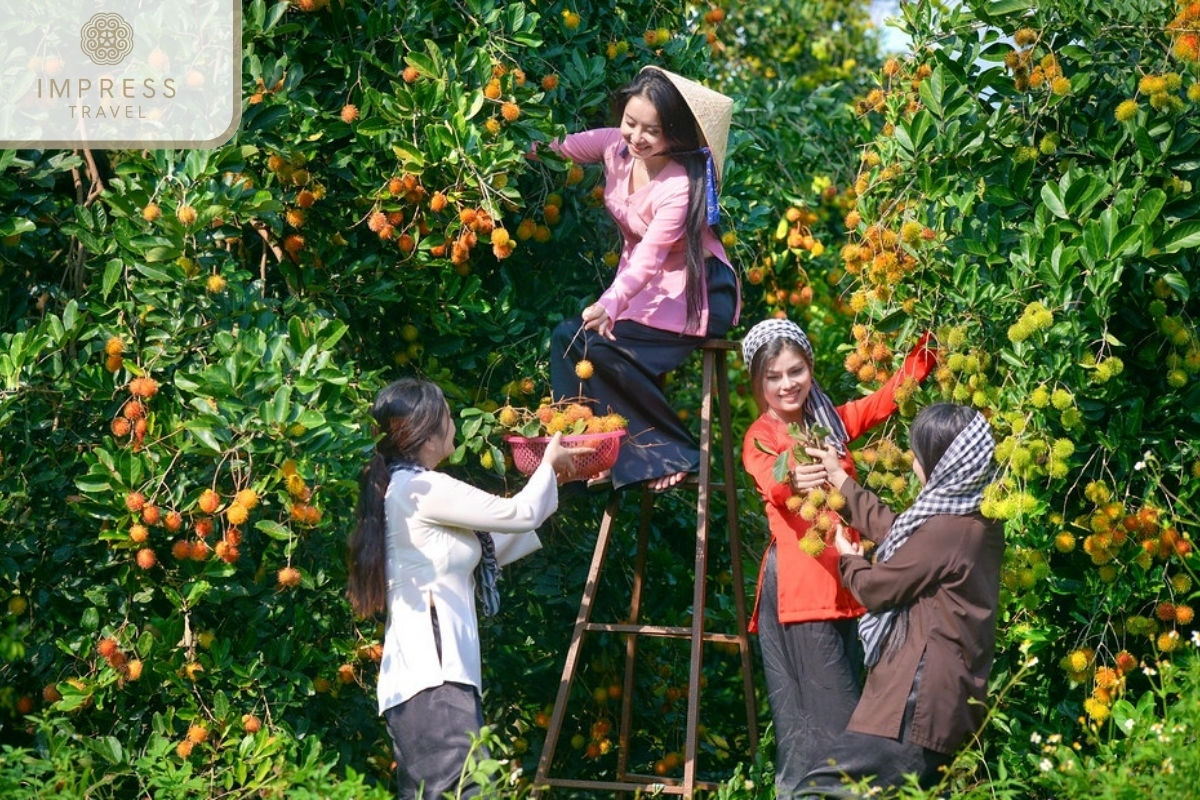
x=1005, y=7
x=410, y=158
x=196, y=591
x=1150, y=206
x=203, y=433
x=16, y=225
x=273, y=530
x=1053, y=201
x=112, y=273
x=780, y=470
x=1146, y=146
x=1178, y=285
x=931, y=92
x=1184, y=235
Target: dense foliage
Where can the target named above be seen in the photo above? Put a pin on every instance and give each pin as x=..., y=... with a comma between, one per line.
x=188, y=341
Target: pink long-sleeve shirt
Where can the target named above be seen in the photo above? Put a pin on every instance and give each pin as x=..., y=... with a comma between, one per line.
x=651, y=274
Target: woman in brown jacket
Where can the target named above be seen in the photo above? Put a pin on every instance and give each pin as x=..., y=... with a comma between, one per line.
x=932, y=592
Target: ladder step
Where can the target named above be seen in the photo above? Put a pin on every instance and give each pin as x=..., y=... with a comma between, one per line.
x=664, y=786
x=659, y=630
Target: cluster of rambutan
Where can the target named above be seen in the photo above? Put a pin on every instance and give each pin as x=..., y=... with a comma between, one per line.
x=528, y=228
x=902, y=80
x=1165, y=639
x=886, y=467
x=795, y=230
x=197, y=733
x=1183, y=362
x=494, y=90
x=882, y=257
x=1023, y=568
x=871, y=358
x=109, y=649
x=962, y=376
x=1106, y=683
x=568, y=418
x=113, y=358
x=818, y=506
x=301, y=510
x=1026, y=453
x=1185, y=29
x=1045, y=73
x=196, y=547
x=1005, y=498
x=599, y=743
x=294, y=170
x=131, y=421
x=1111, y=527
x=1034, y=318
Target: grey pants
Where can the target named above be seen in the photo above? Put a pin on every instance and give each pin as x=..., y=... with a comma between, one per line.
x=431, y=737
x=811, y=671
x=886, y=761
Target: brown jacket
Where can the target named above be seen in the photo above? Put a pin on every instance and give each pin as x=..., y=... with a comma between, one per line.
x=949, y=571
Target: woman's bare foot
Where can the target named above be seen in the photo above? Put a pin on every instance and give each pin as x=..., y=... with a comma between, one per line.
x=664, y=482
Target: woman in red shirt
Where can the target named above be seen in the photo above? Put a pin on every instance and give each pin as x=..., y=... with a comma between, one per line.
x=805, y=618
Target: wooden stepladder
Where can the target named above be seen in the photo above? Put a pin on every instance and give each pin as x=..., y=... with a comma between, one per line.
x=715, y=383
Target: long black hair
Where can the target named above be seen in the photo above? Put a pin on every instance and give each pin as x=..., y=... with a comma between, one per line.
x=683, y=145
x=407, y=413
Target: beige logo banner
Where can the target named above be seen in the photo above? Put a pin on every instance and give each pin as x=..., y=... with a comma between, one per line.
x=137, y=73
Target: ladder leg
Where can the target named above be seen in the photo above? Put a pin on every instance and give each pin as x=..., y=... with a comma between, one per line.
x=699, y=585
x=735, y=553
x=635, y=616
x=573, y=651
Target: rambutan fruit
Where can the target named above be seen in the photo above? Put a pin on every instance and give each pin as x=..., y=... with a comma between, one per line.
x=288, y=577
x=209, y=501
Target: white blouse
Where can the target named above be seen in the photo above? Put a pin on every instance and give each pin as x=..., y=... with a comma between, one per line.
x=432, y=552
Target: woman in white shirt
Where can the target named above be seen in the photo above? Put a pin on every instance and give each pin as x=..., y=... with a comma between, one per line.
x=423, y=545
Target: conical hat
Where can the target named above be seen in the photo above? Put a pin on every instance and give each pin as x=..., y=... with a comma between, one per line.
x=713, y=112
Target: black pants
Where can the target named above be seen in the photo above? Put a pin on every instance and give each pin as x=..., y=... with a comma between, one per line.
x=811, y=671
x=628, y=379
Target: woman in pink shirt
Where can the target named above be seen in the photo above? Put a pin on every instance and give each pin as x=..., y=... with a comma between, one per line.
x=674, y=285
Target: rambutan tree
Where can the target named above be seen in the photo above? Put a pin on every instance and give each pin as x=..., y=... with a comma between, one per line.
x=1031, y=198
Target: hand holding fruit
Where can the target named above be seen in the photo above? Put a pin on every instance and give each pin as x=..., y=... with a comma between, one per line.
x=810, y=475
x=843, y=544
x=827, y=457
x=560, y=457
x=596, y=318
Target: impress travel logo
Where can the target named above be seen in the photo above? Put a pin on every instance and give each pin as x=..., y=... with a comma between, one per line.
x=120, y=73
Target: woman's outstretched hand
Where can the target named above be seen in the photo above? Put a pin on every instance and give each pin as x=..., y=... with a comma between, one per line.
x=560, y=458
x=843, y=544
x=595, y=318
x=828, y=458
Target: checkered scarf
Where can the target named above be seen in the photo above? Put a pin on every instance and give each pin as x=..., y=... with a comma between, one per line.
x=818, y=409
x=955, y=487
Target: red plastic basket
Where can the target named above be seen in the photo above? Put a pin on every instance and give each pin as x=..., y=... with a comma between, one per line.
x=527, y=452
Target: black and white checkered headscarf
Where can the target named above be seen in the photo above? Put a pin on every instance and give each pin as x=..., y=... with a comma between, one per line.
x=818, y=409
x=955, y=487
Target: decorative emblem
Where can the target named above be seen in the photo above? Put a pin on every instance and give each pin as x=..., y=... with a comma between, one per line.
x=106, y=39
